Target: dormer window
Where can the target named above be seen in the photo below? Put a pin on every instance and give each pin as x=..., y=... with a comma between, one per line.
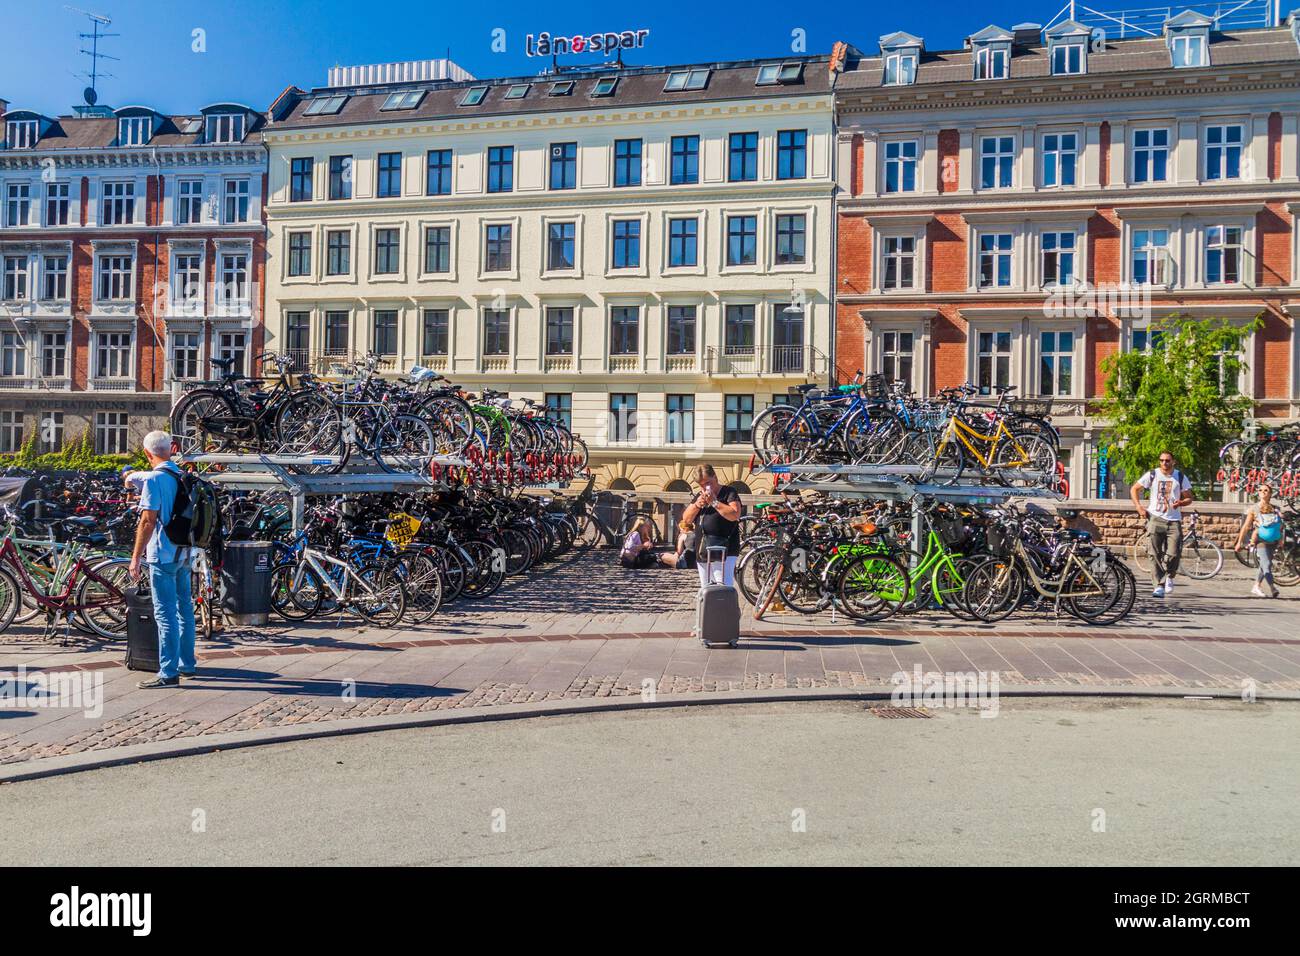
x=1067, y=59
x=325, y=106
x=1188, y=35
x=226, y=128
x=680, y=80
x=134, y=130
x=563, y=88
x=517, y=91
x=1067, y=45
x=605, y=86
x=991, y=63
x=771, y=74
x=900, y=53
x=1187, y=50
x=474, y=96
x=22, y=134
x=405, y=100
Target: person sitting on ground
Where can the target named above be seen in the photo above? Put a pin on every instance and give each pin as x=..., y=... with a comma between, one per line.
x=687, y=543
x=638, y=546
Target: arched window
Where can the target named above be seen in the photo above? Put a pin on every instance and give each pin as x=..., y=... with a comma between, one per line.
x=622, y=484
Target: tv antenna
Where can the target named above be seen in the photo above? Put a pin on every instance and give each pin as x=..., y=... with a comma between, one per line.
x=94, y=36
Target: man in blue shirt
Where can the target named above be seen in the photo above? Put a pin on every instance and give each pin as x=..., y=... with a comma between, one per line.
x=168, y=564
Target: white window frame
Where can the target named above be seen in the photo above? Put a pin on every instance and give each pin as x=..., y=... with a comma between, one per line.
x=134, y=130
x=992, y=61
x=18, y=199
x=1065, y=47
x=13, y=426
x=1188, y=41
x=901, y=65
x=113, y=355
x=16, y=278
x=224, y=342
x=1151, y=150
x=1242, y=146
x=1077, y=355
x=232, y=280
x=1000, y=155
x=173, y=345
x=900, y=161
x=110, y=263
x=1055, y=156
x=114, y=425
x=51, y=347
x=977, y=257
x=118, y=203
x=1245, y=259
x=46, y=272
x=180, y=303
x=22, y=134
x=1014, y=354
x=239, y=196
x=60, y=193
x=13, y=355
x=225, y=128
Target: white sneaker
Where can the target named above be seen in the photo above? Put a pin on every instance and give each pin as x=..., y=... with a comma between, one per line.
x=1158, y=592
x=1258, y=591
x=1169, y=586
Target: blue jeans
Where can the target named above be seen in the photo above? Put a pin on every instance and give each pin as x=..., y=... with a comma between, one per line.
x=173, y=610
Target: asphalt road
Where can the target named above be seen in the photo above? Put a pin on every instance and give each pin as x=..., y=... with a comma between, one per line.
x=1172, y=782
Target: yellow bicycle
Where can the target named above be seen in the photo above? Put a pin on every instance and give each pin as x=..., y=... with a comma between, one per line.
x=1001, y=455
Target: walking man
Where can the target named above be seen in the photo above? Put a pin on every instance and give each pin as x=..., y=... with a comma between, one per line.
x=717, y=508
x=168, y=564
x=1169, y=492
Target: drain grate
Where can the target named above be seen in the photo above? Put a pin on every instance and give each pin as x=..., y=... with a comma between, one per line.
x=899, y=712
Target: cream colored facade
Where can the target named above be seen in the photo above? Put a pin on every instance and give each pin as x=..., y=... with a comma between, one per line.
x=711, y=374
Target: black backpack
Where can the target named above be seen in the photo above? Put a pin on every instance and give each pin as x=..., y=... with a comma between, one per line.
x=196, y=513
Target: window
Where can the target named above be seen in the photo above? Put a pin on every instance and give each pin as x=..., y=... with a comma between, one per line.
x=792, y=154
x=997, y=158
x=899, y=255
x=497, y=255
x=626, y=251
x=1060, y=156
x=115, y=278
x=1058, y=258
x=234, y=345
x=1150, y=155
x=390, y=175
x=742, y=240
x=995, y=260
x=1143, y=340
x=685, y=156
x=300, y=253
x=297, y=336
x=791, y=233
x=406, y=100
x=624, y=326
x=233, y=289
x=325, y=106
x=896, y=356
x=52, y=432
x=559, y=407
x=561, y=239
x=189, y=202
x=18, y=205
x=119, y=204
x=187, y=279
x=559, y=331
x=743, y=157
x=627, y=162
x=385, y=341
x=56, y=279
x=54, y=354
x=336, y=333
x=22, y=134
x=300, y=179
x=437, y=249
x=1223, y=255
x=111, y=433
x=900, y=69
x=900, y=166
x=738, y=330
x=11, y=431
x=437, y=179
x=338, y=252
x=501, y=169
x=1223, y=152
x=225, y=128
x=1056, y=363
x=604, y=86
x=991, y=63
x=993, y=360
x=1151, y=263
x=679, y=80
x=683, y=242
x=622, y=416
x=681, y=330
x=186, y=349
x=738, y=419
x=787, y=341
x=517, y=91
x=15, y=279
x=1067, y=59
x=474, y=96
x=562, y=88
x=113, y=355
x=56, y=204
x=437, y=332
x=236, y=206
x=340, y=177
x=13, y=355
x=564, y=165
x=388, y=252
x=496, y=332
x=134, y=130
x=681, y=419
x=1187, y=51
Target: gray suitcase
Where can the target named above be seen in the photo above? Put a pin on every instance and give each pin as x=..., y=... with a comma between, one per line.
x=717, y=611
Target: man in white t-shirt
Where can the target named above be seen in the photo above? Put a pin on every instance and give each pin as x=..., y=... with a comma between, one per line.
x=1169, y=492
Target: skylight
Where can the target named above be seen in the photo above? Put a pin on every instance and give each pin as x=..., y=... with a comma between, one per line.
x=517, y=92
x=405, y=100
x=563, y=88
x=686, y=80
x=325, y=106
x=791, y=72
x=474, y=96
x=605, y=86
x=767, y=74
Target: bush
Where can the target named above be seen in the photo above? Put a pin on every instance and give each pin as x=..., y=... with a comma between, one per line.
x=76, y=455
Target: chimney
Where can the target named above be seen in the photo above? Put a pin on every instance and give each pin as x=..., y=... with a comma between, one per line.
x=1027, y=34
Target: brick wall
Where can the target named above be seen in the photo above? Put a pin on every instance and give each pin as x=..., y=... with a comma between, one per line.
x=1118, y=525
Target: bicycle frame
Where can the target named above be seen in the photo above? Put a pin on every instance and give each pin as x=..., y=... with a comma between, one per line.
x=68, y=572
x=958, y=430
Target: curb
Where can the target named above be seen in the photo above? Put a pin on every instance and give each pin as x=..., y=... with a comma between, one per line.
x=231, y=740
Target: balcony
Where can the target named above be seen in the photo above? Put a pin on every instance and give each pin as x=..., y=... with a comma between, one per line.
x=797, y=360
x=681, y=363
x=334, y=362
x=112, y=383
x=624, y=363
x=558, y=363
x=40, y=383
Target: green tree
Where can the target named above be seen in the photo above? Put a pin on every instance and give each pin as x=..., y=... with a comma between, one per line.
x=1180, y=395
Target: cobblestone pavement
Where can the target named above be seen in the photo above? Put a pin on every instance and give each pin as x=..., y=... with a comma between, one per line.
x=583, y=628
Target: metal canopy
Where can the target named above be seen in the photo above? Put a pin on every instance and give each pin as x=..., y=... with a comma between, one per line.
x=889, y=482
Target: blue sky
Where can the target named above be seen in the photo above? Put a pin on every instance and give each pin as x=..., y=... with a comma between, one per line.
x=255, y=48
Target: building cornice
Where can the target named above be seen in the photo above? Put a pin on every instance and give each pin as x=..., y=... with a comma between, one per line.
x=1031, y=201
x=140, y=157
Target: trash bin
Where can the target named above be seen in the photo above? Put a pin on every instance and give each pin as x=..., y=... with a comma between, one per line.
x=246, y=575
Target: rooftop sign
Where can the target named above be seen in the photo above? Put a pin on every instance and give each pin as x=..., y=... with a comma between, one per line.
x=607, y=42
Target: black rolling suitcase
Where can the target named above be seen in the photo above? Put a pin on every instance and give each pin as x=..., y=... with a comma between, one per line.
x=141, y=630
x=717, y=612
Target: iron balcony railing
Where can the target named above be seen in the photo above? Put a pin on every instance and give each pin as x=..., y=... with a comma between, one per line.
x=802, y=360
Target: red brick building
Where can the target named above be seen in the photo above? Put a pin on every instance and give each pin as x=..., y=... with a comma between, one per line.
x=1015, y=211
x=131, y=252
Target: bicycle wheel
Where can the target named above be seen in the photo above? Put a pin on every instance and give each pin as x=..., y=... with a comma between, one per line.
x=11, y=598
x=1247, y=557
x=1286, y=566
x=379, y=598
x=296, y=591
x=423, y=583
x=1026, y=460
x=993, y=589
x=310, y=423
x=487, y=570
x=1200, y=559
x=1140, y=553
x=193, y=418
x=100, y=598
x=404, y=445
x=948, y=584
x=452, y=421
x=753, y=569
x=1115, y=591
x=945, y=464
x=874, y=587
x=768, y=431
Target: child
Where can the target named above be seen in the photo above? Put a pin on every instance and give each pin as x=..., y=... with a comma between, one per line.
x=638, y=547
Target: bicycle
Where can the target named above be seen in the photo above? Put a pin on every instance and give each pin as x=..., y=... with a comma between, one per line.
x=959, y=442
x=1198, y=557
x=373, y=593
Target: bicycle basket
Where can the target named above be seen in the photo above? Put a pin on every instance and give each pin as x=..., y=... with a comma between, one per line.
x=999, y=541
x=952, y=530
x=875, y=386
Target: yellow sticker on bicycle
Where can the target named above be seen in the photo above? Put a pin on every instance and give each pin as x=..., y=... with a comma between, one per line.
x=401, y=528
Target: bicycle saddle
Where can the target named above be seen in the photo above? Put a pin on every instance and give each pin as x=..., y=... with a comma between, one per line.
x=78, y=522
x=225, y=364
x=806, y=388
x=94, y=540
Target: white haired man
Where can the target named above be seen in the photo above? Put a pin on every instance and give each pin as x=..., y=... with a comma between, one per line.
x=167, y=563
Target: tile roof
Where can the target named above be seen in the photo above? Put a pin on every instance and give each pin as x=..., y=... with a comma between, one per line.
x=100, y=132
